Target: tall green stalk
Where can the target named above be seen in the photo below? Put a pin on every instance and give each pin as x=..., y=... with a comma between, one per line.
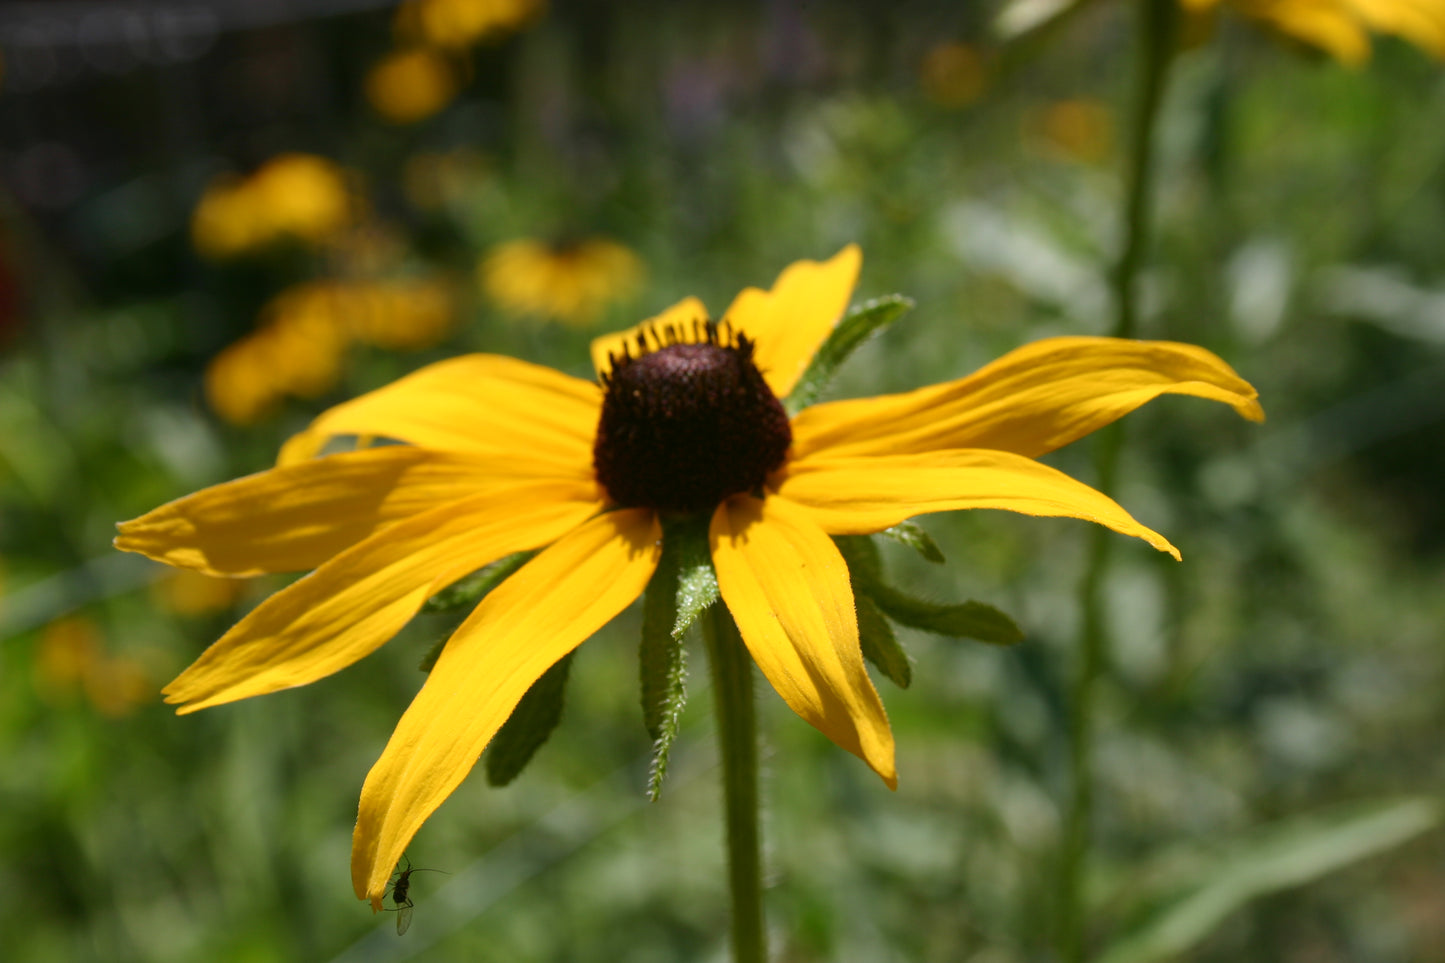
x=1157, y=21
x=732, y=687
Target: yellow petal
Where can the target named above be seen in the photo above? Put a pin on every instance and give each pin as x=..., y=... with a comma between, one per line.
x=684, y=318
x=788, y=591
x=548, y=608
x=1422, y=22
x=795, y=317
x=480, y=403
x=294, y=518
x=858, y=496
x=1327, y=24
x=351, y=605
x=1032, y=400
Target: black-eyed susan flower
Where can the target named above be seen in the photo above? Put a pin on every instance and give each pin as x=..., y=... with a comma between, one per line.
x=687, y=418
x=573, y=281
x=292, y=196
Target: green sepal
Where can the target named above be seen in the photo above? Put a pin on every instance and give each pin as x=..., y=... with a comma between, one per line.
x=879, y=644
x=966, y=620
x=910, y=534
x=529, y=726
x=681, y=589
x=857, y=326
x=466, y=594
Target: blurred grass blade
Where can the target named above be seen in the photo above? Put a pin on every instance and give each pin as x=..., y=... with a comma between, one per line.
x=1279, y=857
x=857, y=326
x=910, y=534
x=879, y=644
x=682, y=588
x=530, y=725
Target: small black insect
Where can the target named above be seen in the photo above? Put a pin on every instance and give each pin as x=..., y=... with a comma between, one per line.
x=400, y=895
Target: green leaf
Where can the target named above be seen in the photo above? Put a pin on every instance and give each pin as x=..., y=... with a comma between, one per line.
x=530, y=724
x=861, y=553
x=468, y=591
x=879, y=645
x=1275, y=858
x=465, y=594
x=908, y=533
x=857, y=326
x=681, y=589
x=966, y=620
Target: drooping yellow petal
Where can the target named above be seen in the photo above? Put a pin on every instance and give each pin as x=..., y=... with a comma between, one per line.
x=294, y=518
x=788, y=591
x=789, y=322
x=548, y=608
x=1032, y=400
x=858, y=496
x=481, y=403
x=362, y=597
x=684, y=319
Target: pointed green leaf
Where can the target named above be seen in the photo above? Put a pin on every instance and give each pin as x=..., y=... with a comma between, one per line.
x=861, y=553
x=530, y=724
x=879, y=644
x=1279, y=857
x=681, y=589
x=917, y=539
x=465, y=594
x=857, y=326
x=965, y=620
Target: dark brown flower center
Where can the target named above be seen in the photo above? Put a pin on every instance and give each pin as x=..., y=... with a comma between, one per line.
x=685, y=425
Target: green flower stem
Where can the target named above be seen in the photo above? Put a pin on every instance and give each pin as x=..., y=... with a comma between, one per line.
x=737, y=731
x=1158, y=19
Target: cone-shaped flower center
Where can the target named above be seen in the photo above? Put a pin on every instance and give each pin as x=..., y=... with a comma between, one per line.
x=686, y=425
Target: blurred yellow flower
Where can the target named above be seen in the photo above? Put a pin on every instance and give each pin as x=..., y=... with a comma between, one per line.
x=72, y=658
x=403, y=315
x=299, y=196
x=571, y=281
x=953, y=74
x=1342, y=28
x=299, y=347
x=410, y=85
x=461, y=23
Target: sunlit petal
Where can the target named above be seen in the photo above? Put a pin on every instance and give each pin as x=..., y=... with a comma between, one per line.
x=1032, y=400
x=541, y=613
x=788, y=590
x=855, y=496
x=361, y=598
x=294, y=518
x=480, y=403
x=684, y=318
x=789, y=322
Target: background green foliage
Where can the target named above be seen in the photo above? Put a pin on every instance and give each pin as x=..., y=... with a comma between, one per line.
x=1289, y=669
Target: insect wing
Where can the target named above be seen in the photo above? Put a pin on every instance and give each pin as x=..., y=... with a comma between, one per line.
x=403, y=918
